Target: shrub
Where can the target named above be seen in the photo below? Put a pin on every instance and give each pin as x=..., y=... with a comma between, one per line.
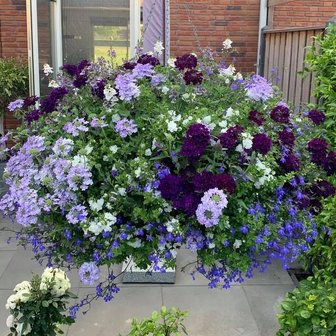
x=14, y=81
x=309, y=309
x=166, y=322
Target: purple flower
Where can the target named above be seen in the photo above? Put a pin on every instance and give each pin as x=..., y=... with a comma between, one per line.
x=256, y=117
x=89, y=273
x=187, y=61
x=290, y=163
x=33, y=116
x=97, y=88
x=203, y=181
x=215, y=196
x=229, y=139
x=208, y=214
x=71, y=69
x=187, y=202
x=15, y=105
x=129, y=65
x=317, y=117
x=148, y=59
x=261, y=143
x=127, y=89
x=193, y=77
x=330, y=163
x=259, y=89
x=287, y=138
x=171, y=186
x=126, y=127
x=29, y=101
x=280, y=114
x=226, y=182
x=142, y=70
x=195, y=142
x=324, y=189
x=63, y=147
x=49, y=103
x=318, y=149
x=157, y=79
x=77, y=214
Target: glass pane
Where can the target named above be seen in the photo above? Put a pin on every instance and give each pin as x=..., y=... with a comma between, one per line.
x=92, y=27
x=44, y=41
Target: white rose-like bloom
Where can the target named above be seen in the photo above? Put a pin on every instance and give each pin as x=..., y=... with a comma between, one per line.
x=19, y=329
x=10, y=321
x=12, y=301
x=227, y=44
x=23, y=295
x=22, y=285
x=158, y=47
x=61, y=282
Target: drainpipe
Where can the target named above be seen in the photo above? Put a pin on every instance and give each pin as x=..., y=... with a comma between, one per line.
x=261, y=44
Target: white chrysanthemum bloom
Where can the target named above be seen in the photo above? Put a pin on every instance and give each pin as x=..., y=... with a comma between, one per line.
x=96, y=205
x=47, y=69
x=171, y=62
x=10, y=321
x=158, y=47
x=22, y=285
x=227, y=44
x=23, y=295
x=53, y=84
x=12, y=301
x=237, y=243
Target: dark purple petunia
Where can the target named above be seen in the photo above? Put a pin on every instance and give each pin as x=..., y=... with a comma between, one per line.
x=226, y=182
x=148, y=59
x=29, y=101
x=330, y=163
x=280, y=114
x=324, y=189
x=188, y=203
x=71, y=69
x=80, y=81
x=303, y=202
x=187, y=61
x=33, y=116
x=98, y=89
x=318, y=149
x=290, y=163
x=193, y=77
x=261, y=143
x=82, y=65
x=171, y=186
x=316, y=116
x=129, y=65
x=48, y=104
x=256, y=117
x=315, y=206
x=287, y=138
x=195, y=142
x=203, y=181
x=229, y=139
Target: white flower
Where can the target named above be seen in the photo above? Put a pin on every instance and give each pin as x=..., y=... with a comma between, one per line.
x=158, y=47
x=11, y=302
x=148, y=152
x=114, y=149
x=88, y=149
x=47, y=69
x=53, y=84
x=237, y=76
x=111, y=219
x=116, y=117
x=136, y=244
x=229, y=71
x=137, y=172
x=23, y=295
x=80, y=161
x=22, y=285
x=172, y=126
x=165, y=89
x=247, y=143
x=171, y=62
x=122, y=191
x=237, y=243
x=20, y=331
x=110, y=93
x=96, y=205
x=227, y=44
x=239, y=149
x=10, y=321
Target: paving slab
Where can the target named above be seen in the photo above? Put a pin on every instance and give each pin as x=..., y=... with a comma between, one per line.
x=264, y=301
x=113, y=318
x=213, y=312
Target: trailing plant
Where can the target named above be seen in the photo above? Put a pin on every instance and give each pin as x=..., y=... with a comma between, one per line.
x=166, y=322
x=38, y=307
x=142, y=159
x=309, y=309
x=14, y=81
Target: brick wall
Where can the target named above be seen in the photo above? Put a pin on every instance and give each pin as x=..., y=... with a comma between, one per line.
x=303, y=13
x=207, y=23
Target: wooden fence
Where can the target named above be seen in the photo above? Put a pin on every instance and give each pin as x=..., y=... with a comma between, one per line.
x=285, y=51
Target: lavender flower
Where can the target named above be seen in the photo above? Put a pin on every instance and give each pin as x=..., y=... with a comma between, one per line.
x=208, y=214
x=127, y=88
x=259, y=89
x=215, y=196
x=142, y=70
x=77, y=214
x=89, y=273
x=15, y=105
x=126, y=127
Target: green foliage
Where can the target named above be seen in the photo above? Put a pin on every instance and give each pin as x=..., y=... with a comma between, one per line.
x=322, y=62
x=309, y=309
x=166, y=322
x=14, y=80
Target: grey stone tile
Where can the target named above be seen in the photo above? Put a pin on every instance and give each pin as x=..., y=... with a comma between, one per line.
x=5, y=258
x=274, y=274
x=213, y=312
x=112, y=318
x=264, y=301
x=5, y=242
x=4, y=294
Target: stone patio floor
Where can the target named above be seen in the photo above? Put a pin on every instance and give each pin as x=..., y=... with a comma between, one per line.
x=247, y=309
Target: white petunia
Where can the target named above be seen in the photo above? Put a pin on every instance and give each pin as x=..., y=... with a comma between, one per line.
x=122, y=191
x=227, y=44
x=148, y=152
x=114, y=149
x=47, y=69
x=158, y=47
x=165, y=89
x=237, y=243
x=172, y=126
x=96, y=205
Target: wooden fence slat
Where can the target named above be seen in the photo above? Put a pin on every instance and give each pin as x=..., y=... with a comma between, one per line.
x=287, y=65
x=306, y=84
x=267, y=54
x=276, y=57
x=300, y=62
x=281, y=66
x=271, y=58
x=293, y=70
